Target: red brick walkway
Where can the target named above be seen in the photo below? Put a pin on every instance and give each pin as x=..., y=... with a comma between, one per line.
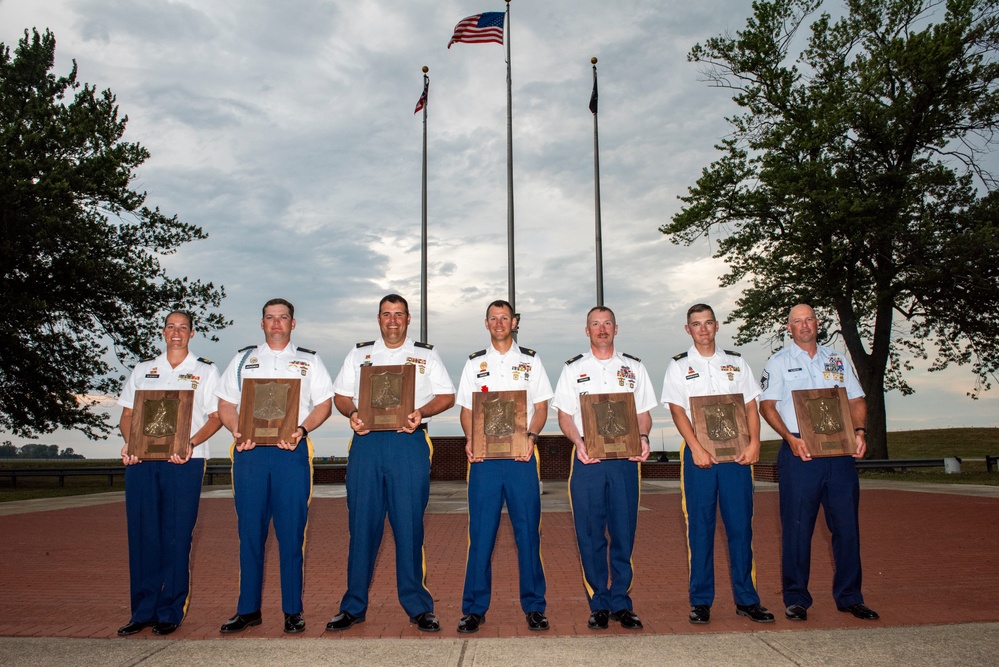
x=928, y=559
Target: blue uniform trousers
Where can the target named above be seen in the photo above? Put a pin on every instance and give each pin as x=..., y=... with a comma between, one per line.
x=161, y=509
x=388, y=473
x=604, y=499
x=272, y=483
x=831, y=482
x=728, y=486
x=489, y=484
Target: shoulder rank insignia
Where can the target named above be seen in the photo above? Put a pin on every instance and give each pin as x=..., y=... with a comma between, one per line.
x=476, y=354
x=426, y=346
x=205, y=361
x=306, y=350
x=248, y=347
x=365, y=343
x=631, y=356
x=732, y=353
x=146, y=359
x=529, y=352
x=574, y=359
x=682, y=355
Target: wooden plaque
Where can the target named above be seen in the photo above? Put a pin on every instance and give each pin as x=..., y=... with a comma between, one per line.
x=499, y=425
x=825, y=422
x=610, y=425
x=720, y=424
x=268, y=410
x=386, y=396
x=161, y=424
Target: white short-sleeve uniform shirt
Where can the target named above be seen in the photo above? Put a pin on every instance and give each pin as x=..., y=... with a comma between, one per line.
x=192, y=373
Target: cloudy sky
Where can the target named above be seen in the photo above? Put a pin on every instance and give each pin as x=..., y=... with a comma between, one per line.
x=286, y=130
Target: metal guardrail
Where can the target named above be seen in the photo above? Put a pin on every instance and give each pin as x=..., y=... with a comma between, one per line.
x=117, y=471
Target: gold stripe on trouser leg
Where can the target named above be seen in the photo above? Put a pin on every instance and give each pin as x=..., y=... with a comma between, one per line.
x=586, y=584
x=305, y=532
x=423, y=549
x=190, y=582
x=683, y=505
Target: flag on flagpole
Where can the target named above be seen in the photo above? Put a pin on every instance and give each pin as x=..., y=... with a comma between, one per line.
x=423, y=98
x=593, y=95
x=479, y=29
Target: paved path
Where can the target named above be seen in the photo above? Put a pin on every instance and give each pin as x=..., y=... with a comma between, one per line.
x=931, y=556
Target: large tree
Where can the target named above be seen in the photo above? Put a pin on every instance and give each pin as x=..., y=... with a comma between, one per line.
x=855, y=178
x=81, y=280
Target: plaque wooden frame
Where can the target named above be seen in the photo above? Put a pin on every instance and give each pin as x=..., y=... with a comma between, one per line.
x=161, y=447
x=622, y=445
x=262, y=430
x=820, y=444
x=508, y=446
x=386, y=418
x=723, y=449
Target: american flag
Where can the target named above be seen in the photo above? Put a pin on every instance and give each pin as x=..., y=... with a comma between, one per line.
x=423, y=98
x=479, y=29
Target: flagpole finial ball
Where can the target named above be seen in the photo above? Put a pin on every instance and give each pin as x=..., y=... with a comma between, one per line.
x=593, y=60
x=425, y=69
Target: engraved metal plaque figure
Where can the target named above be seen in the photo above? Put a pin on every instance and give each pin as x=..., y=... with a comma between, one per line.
x=499, y=416
x=824, y=421
x=721, y=424
x=160, y=417
x=499, y=425
x=825, y=415
x=386, y=390
x=161, y=424
x=270, y=401
x=720, y=419
x=612, y=419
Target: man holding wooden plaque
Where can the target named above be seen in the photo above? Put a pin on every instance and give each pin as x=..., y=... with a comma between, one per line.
x=270, y=398
x=503, y=394
x=721, y=441
x=808, y=481
x=163, y=489
x=604, y=493
x=388, y=465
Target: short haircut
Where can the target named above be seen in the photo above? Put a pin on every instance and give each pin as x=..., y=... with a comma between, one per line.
x=393, y=298
x=501, y=303
x=278, y=302
x=190, y=318
x=603, y=309
x=700, y=308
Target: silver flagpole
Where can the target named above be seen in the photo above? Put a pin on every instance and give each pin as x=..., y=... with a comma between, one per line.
x=423, y=257
x=596, y=190
x=511, y=271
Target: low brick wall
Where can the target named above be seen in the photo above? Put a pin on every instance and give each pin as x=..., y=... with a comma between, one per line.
x=555, y=452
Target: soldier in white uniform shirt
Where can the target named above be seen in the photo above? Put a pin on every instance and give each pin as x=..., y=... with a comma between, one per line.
x=162, y=497
x=273, y=481
x=706, y=485
x=592, y=481
x=504, y=366
x=388, y=472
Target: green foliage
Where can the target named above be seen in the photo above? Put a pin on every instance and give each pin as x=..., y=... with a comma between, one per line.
x=854, y=180
x=80, y=272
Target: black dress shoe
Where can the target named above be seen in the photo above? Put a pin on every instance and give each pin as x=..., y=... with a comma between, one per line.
x=754, y=612
x=470, y=623
x=537, y=621
x=132, y=627
x=861, y=611
x=240, y=622
x=598, y=620
x=343, y=620
x=628, y=619
x=294, y=623
x=162, y=628
x=426, y=622
x=796, y=612
x=700, y=614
